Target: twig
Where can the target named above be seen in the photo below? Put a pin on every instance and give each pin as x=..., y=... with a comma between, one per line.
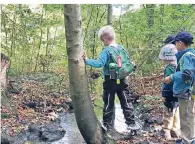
x=86, y=30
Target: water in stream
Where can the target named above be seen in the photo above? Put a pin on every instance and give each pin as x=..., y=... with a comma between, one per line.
x=73, y=136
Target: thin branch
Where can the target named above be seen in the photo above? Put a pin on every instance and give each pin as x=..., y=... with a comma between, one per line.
x=40, y=41
x=46, y=53
x=93, y=48
x=54, y=37
x=191, y=25
x=184, y=21
x=103, y=14
x=2, y=12
x=94, y=35
x=120, y=25
x=13, y=34
x=86, y=30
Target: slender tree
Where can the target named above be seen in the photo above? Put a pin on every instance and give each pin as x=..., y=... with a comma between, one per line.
x=83, y=109
x=109, y=16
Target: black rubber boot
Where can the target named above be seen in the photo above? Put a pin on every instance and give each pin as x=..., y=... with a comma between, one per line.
x=179, y=141
x=193, y=142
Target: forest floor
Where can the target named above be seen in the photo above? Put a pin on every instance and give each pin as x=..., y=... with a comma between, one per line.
x=40, y=97
x=37, y=99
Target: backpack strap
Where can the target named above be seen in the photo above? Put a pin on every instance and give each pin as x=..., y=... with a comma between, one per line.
x=109, y=49
x=181, y=61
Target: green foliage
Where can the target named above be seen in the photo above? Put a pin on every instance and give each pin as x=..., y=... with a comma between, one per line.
x=98, y=107
x=28, y=34
x=34, y=39
x=144, y=40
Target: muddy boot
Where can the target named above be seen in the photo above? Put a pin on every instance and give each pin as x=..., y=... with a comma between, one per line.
x=167, y=134
x=106, y=126
x=103, y=126
x=134, y=126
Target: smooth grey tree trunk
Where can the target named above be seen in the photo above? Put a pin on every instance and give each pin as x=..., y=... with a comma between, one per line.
x=109, y=16
x=83, y=109
x=5, y=100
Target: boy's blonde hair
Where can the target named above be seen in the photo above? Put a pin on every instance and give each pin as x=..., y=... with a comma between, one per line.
x=107, y=31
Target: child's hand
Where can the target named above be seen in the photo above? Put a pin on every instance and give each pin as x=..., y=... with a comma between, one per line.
x=163, y=99
x=84, y=56
x=167, y=80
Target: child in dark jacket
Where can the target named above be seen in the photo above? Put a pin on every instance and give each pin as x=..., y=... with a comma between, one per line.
x=171, y=123
x=183, y=86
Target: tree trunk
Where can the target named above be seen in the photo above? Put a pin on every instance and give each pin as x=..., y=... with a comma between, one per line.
x=109, y=16
x=25, y=41
x=31, y=57
x=5, y=100
x=4, y=66
x=54, y=38
x=162, y=20
x=37, y=58
x=94, y=34
x=3, y=24
x=40, y=42
x=45, y=65
x=94, y=43
x=13, y=33
x=120, y=26
x=46, y=51
x=83, y=109
x=162, y=15
x=86, y=29
x=103, y=15
x=150, y=13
